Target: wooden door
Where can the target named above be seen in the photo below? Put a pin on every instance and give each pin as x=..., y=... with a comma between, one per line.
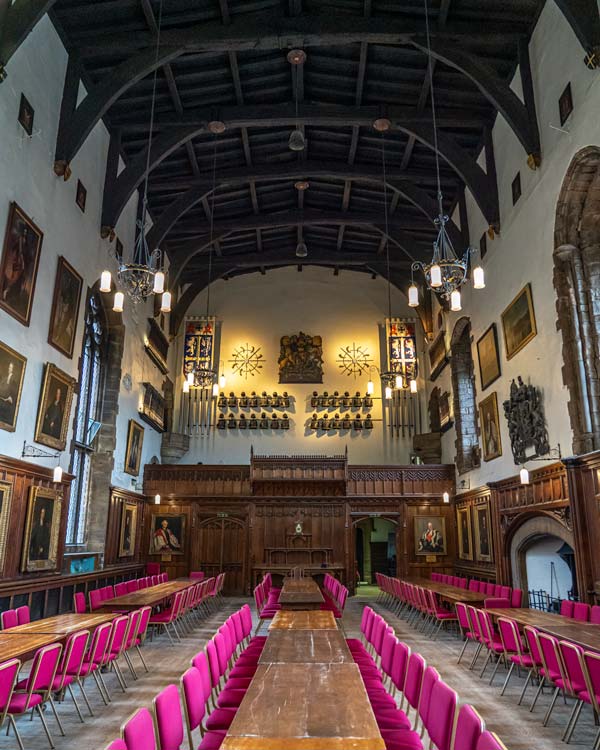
x=221, y=548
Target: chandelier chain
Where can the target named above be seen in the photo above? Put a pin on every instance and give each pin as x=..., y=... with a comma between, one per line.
x=386, y=225
x=212, y=223
x=433, y=110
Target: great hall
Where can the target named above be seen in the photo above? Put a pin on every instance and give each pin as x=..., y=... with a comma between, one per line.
x=299, y=374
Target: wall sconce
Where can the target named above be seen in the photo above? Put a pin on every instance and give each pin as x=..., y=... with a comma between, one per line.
x=552, y=455
x=31, y=451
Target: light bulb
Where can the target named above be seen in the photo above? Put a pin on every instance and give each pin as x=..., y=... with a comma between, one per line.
x=57, y=475
x=159, y=282
x=370, y=388
x=165, y=305
x=388, y=392
x=413, y=386
x=524, y=476
x=398, y=381
x=435, y=276
x=222, y=380
x=296, y=141
x=190, y=378
x=119, y=301
x=446, y=497
x=455, y=305
x=105, y=281
x=156, y=499
x=478, y=278
x=186, y=386
x=413, y=296
x=215, y=390
x=301, y=250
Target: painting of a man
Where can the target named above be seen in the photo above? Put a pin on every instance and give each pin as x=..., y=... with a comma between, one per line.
x=39, y=543
x=128, y=530
x=133, y=453
x=42, y=530
x=65, y=308
x=54, y=415
x=12, y=370
x=167, y=534
x=54, y=408
x=430, y=535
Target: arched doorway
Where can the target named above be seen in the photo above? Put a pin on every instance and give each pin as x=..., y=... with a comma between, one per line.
x=220, y=547
x=576, y=279
x=375, y=548
x=465, y=406
x=542, y=560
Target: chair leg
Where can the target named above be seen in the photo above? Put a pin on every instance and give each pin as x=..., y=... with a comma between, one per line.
x=537, y=694
x=498, y=660
x=465, y=644
x=485, y=663
x=573, y=719
x=53, y=707
x=13, y=723
x=525, y=686
x=81, y=719
x=551, y=706
x=120, y=678
x=97, y=674
x=48, y=735
x=130, y=665
x=85, y=698
x=139, y=650
x=476, y=655
x=510, y=671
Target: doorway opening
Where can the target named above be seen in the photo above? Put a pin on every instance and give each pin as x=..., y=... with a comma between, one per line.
x=375, y=549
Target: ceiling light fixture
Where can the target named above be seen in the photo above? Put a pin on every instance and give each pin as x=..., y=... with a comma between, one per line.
x=297, y=141
x=302, y=185
x=301, y=250
x=446, y=272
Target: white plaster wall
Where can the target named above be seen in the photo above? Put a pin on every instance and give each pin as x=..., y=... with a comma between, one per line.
x=26, y=176
x=539, y=570
x=523, y=251
x=259, y=310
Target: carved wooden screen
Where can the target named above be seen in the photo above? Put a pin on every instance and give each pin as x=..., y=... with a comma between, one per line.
x=221, y=547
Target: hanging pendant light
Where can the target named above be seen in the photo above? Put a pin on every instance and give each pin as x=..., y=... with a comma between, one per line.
x=446, y=272
x=297, y=141
x=301, y=250
x=413, y=295
x=370, y=387
x=413, y=386
x=105, y=282
x=118, y=302
x=159, y=282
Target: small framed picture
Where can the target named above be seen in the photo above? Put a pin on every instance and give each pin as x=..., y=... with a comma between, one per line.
x=54, y=408
x=438, y=355
x=483, y=533
x=133, y=454
x=42, y=530
x=465, y=536
x=12, y=373
x=430, y=535
x=65, y=308
x=128, y=529
x=490, y=427
x=489, y=357
x=518, y=322
x=565, y=104
x=167, y=534
x=26, y=115
x=81, y=195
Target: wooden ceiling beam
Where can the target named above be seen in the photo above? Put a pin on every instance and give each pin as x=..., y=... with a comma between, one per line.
x=18, y=20
x=584, y=18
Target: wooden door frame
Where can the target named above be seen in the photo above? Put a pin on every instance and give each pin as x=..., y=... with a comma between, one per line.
x=243, y=524
x=356, y=516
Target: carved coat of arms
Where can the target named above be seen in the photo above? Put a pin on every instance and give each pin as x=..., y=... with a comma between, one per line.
x=301, y=359
x=526, y=422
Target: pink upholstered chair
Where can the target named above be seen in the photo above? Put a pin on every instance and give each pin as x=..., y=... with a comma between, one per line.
x=166, y=620
x=516, y=598
x=430, y=677
x=469, y=728
x=138, y=731
x=116, y=646
x=566, y=608
x=491, y=641
x=70, y=666
x=197, y=575
x=515, y=650
x=220, y=718
x=121, y=588
x=465, y=628
x=440, y=720
x=95, y=599
x=130, y=639
x=9, y=619
x=496, y=603
x=169, y=722
x=554, y=670
x=9, y=671
x=412, y=684
x=132, y=586
x=32, y=693
x=142, y=631
x=194, y=710
x=578, y=683
x=537, y=665
x=473, y=585
x=490, y=741
x=23, y=616
x=581, y=611
x=79, y=603
x=152, y=569
x=595, y=614
x=93, y=660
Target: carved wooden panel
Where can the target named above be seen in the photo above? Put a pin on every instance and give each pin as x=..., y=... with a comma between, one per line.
x=192, y=481
x=220, y=545
x=431, y=481
x=116, y=501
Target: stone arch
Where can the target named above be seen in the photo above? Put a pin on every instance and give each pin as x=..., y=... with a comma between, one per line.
x=464, y=398
x=434, y=410
x=527, y=531
x=577, y=280
x=102, y=461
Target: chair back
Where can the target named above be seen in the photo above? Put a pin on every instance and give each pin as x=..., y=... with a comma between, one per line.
x=107, y=592
x=533, y=644
x=496, y=603
x=132, y=630
x=581, y=611
x=198, y=575
x=473, y=585
x=463, y=619
x=145, y=613
x=99, y=643
x=154, y=580
x=132, y=586
x=592, y=672
x=200, y=662
x=595, y=614
x=490, y=741
x=116, y=745
x=73, y=657
x=152, y=569
x=469, y=728
x=551, y=658
x=193, y=700
x=430, y=677
x=440, y=721
x=79, y=603
x=510, y=636
x=43, y=671
x=169, y=722
x=387, y=652
x=138, y=731
x=572, y=659
x=9, y=619
x=414, y=679
x=23, y=616
x=400, y=664
x=213, y=662
x=95, y=599
x=121, y=588
x=9, y=671
x=117, y=637
x=567, y=607
x=516, y=598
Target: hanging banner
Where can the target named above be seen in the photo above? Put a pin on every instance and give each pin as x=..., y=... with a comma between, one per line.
x=402, y=348
x=198, y=345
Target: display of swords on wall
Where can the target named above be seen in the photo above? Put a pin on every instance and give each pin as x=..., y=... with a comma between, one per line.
x=198, y=403
x=402, y=406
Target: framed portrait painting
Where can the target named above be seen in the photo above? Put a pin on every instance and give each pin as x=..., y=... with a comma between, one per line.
x=438, y=355
x=489, y=357
x=483, y=533
x=12, y=373
x=465, y=535
x=65, y=308
x=128, y=529
x=490, y=427
x=42, y=530
x=518, y=322
x=430, y=535
x=19, y=264
x=54, y=408
x=6, y=489
x=167, y=534
x=133, y=453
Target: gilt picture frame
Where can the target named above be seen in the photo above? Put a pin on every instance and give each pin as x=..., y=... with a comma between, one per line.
x=518, y=322
x=489, y=421
x=133, y=452
x=465, y=534
x=488, y=355
x=430, y=535
x=128, y=532
x=6, y=491
x=54, y=409
x=484, y=551
x=12, y=374
x=42, y=530
x=65, y=308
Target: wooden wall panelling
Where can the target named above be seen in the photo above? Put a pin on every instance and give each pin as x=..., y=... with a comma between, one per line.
x=479, y=569
x=117, y=498
x=24, y=475
x=417, y=565
x=193, y=481
x=175, y=565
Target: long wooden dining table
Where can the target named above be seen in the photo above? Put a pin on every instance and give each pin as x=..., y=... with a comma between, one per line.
x=306, y=647
x=315, y=619
x=23, y=646
x=300, y=593
x=452, y=594
x=149, y=597
x=585, y=634
x=62, y=625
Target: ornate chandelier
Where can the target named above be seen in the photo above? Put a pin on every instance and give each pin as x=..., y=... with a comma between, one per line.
x=446, y=272
x=143, y=276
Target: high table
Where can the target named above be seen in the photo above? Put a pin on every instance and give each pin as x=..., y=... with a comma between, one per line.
x=149, y=597
x=23, y=646
x=585, y=634
x=306, y=647
x=62, y=625
x=314, y=619
x=450, y=593
x=300, y=593
x=305, y=707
